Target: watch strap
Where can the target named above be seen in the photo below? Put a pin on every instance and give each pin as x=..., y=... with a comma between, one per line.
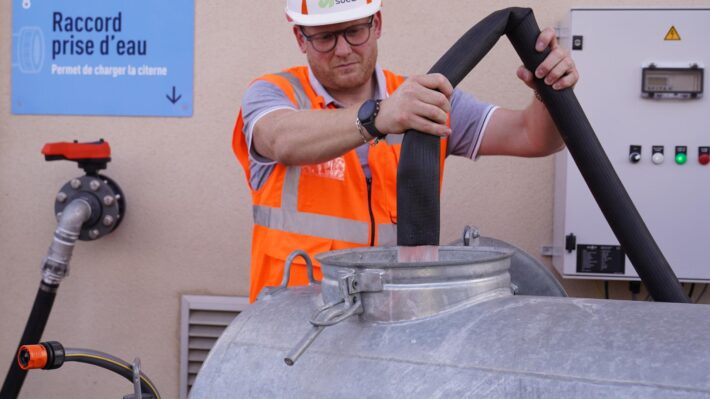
x=369, y=123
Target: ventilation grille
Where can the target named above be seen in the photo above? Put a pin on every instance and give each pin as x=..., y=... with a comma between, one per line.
x=203, y=319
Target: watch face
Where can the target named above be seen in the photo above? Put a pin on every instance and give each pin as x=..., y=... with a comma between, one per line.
x=366, y=110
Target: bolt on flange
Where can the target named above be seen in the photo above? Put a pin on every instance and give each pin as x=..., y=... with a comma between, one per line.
x=94, y=185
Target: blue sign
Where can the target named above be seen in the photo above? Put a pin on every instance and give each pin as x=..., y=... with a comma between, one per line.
x=103, y=57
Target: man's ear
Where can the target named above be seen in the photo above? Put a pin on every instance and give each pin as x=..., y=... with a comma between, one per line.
x=378, y=24
x=300, y=39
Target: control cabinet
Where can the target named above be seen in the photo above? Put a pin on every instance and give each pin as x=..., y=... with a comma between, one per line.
x=642, y=86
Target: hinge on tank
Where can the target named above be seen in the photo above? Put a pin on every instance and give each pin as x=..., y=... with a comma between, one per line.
x=471, y=236
x=350, y=285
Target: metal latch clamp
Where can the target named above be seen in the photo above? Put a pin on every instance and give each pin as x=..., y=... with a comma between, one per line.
x=351, y=286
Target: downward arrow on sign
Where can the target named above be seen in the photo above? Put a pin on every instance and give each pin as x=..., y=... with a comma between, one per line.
x=172, y=98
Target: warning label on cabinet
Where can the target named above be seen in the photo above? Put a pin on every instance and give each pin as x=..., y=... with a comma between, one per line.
x=604, y=259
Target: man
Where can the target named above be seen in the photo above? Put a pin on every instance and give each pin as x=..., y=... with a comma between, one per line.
x=320, y=144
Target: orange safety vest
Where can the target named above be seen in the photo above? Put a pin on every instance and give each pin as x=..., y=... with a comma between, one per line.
x=323, y=207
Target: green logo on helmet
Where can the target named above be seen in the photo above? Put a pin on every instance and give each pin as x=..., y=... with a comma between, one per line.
x=326, y=3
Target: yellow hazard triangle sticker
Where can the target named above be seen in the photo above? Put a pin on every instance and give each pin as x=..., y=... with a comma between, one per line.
x=672, y=34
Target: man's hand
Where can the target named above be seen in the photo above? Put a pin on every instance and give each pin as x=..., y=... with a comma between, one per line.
x=420, y=103
x=558, y=69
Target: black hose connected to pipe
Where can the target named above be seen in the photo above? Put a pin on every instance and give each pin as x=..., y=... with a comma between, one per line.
x=418, y=190
x=32, y=334
x=55, y=266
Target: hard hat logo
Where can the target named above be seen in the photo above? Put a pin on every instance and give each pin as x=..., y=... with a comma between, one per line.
x=326, y=12
x=331, y=3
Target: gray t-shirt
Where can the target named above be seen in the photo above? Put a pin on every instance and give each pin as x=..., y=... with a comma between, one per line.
x=469, y=118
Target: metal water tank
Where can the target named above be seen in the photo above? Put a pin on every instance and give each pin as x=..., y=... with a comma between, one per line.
x=452, y=329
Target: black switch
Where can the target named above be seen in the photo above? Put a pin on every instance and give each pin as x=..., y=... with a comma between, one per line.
x=577, y=42
x=634, y=153
x=570, y=242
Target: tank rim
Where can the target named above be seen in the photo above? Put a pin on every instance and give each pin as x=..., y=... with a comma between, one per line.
x=334, y=258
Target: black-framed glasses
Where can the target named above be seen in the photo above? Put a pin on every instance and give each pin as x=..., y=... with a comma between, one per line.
x=355, y=35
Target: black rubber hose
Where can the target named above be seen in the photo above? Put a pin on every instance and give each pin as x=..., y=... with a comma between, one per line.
x=418, y=173
x=605, y=185
x=33, y=334
x=418, y=190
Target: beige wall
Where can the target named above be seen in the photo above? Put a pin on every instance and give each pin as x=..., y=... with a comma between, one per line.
x=187, y=229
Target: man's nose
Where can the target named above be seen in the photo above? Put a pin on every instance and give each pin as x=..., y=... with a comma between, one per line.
x=342, y=47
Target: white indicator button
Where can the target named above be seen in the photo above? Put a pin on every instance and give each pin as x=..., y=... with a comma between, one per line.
x=657, y=158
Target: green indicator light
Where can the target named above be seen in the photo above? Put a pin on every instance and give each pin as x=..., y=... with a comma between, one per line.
x=681, y=158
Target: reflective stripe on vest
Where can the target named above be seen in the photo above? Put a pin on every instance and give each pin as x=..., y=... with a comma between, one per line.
x=298, y=91
x=287, y=218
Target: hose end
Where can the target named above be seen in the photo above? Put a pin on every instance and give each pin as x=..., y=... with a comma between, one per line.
x=31, y=357
x=45, y=355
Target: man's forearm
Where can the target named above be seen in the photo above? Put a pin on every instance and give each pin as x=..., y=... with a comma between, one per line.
x=542, y=134
x=308, y=136
x=312, y=136
x=529, y=132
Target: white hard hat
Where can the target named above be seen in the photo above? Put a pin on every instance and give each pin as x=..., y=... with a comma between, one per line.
x=326, y=12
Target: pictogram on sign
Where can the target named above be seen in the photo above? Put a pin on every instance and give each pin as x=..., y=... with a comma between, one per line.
x=672, y=34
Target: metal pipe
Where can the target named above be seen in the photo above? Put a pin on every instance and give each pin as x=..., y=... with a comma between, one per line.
x=302, y=345
x=55, y=266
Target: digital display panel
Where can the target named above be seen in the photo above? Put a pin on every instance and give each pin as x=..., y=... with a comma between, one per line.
x=682, y=82
x=657, y=81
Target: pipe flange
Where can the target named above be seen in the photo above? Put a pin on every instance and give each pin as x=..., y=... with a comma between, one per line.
x=105, y=198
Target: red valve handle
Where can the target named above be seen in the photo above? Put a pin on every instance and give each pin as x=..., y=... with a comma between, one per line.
x=99, y=151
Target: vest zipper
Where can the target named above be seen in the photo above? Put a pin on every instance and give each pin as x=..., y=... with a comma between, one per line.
x=369, y=208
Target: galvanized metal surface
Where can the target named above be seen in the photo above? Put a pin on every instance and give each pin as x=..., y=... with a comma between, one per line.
x=412, y=290
x=375, y=284
x=509, y=347
x=503, y=347
x=527, y=274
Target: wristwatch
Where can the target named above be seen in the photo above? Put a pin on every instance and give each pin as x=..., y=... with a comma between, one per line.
x=366, y=118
